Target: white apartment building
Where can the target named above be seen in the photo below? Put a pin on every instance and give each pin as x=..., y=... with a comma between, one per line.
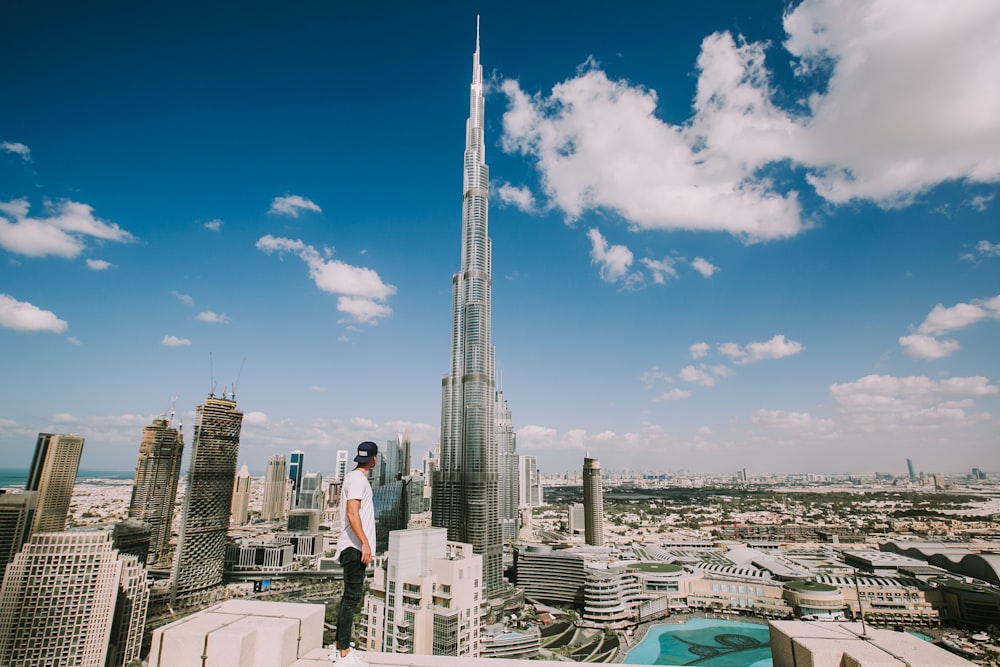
x=427, y=597
x=70, y=599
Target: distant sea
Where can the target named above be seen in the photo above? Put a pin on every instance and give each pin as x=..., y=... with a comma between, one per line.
x=15, y=478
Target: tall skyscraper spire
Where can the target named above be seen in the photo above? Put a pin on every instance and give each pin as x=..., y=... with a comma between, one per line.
x=465, y=492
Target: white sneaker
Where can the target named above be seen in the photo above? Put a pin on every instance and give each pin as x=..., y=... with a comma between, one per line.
x=352, y=659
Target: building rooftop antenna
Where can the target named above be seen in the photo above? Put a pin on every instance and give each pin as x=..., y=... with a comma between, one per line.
x=211, y=372
x=237, y=381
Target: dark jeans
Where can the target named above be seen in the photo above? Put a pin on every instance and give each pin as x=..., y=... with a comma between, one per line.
x=354, y=586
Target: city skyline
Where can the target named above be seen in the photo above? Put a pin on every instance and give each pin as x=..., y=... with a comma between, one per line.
x=722, y=238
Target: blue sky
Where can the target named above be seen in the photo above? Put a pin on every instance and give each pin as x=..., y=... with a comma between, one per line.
x=725, y=235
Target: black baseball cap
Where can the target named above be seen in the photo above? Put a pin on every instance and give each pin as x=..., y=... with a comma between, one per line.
x=367, y=450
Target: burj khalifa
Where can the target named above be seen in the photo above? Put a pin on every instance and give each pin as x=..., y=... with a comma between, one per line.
x=465, y=496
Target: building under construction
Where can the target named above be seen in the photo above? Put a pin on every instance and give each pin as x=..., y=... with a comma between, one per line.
x=201, y=543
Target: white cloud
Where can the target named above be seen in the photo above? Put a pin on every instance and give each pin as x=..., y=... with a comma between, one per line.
x=911, y=100
x=62, y=232
x=183, y=298
x=673, y=395
x=661, y=269
x=98, y=265
x=73, y=340
x=174, y=341
x=652, y=376
x=925, y=344
x=696, y=375
x=518, y=196
x=885, y=402
x=775, y=348
x=981, y=202
x=698, y=350
x=362, y=290
x=16, y=148
x=23, y=316
x=704, y=267
x=215, y=318
x=614, y=260
x=255, y=418
x=534, y=438
x=290, y=205
x=942, y=320
x=64, y=418
x=598, y=145
x=988, y=249
x=919, y=346
x=213, y=225
x=319, y=389
x=904, y=98
x=363, y=310
x=803, y=422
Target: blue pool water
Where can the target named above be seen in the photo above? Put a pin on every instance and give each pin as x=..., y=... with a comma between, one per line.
x=707, y=642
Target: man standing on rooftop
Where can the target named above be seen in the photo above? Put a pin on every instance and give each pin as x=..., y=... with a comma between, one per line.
x=354, y=548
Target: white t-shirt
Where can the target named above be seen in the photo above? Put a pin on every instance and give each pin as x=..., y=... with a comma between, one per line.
x=356, y=487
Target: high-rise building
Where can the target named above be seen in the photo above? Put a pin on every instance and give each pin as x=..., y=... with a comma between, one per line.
x=393, y=461
x=575, y=519
x=295, y=472
x=508, y=469
x=241, y=497
x=201, y=548
x=593, y=502
x=71, y=599
x=341, y=466
x=131, y=537
x=154, y=492
x=392, y=510
x=530, y=482
x=426, y=597
x=274, y=508
x=16, y=513
x=52, y=475
x=311, y=492
x=910, y=470
x=465, y=495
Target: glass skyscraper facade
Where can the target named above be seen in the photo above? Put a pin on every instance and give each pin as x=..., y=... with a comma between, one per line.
x=201, y=548
x=465, y=495
x=295, y=462
x=508, y=469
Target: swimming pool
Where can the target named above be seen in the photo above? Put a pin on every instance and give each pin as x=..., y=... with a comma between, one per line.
x=706, y=642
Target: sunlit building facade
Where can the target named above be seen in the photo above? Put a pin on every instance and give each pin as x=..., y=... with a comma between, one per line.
x=465, y=495
x=70, y=599
x=241, y=497
x=425, y=597
x=275, y=505
x=593, y=502
x=53, y=475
